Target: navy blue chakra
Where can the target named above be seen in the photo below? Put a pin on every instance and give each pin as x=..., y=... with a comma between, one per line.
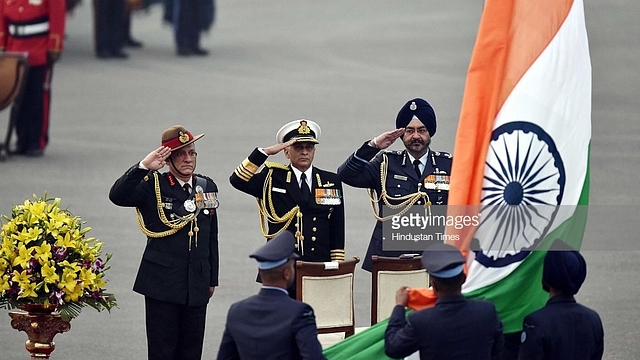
x=523, y=186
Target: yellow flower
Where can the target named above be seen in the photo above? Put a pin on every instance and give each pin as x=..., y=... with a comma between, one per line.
x=65, y=241
x=4, y=283
x=27, y=290
x=75, y=294
x=23, y=258
x=8, y=249
x=98, y=283
x=87, y=277
x=22, y=278
x=68, y=280
x=43, y=253
x=28, y=235
x=49, y=274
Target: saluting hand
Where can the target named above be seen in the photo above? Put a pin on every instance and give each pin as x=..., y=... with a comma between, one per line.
x=274, y=149
x=157, y=159
x=385, y=139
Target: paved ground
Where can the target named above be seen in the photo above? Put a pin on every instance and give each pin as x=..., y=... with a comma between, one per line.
x=347, y=65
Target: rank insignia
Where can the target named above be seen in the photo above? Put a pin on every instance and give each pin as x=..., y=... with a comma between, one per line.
x=304, y=129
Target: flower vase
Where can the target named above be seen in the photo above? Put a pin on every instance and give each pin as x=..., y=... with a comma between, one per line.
x=41, y=323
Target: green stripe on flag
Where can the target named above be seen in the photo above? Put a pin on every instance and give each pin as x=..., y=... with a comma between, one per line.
x=520, y=293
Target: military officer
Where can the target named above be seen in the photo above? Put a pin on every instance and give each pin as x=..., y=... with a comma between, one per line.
x=297, y=196
x=562, y=329
x=177, y=211
x=456, y=327
x=414, y=176
x=271, y=325
x=37, y=28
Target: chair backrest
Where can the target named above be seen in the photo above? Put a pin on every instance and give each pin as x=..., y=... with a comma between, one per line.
x=13, y=71
x=328, y=288
x=387, y=276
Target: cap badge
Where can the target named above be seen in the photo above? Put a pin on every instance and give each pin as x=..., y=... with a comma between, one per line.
x=413, y=106
x=304, y=129
x=183, y=137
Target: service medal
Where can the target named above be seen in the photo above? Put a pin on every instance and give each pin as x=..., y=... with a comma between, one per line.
x=189, y=205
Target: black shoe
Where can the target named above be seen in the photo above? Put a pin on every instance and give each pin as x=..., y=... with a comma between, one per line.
x=182, y=51
x=132, y=43
x=200, y=51
x=119, y=54
x=34, y=152
x=111, y=54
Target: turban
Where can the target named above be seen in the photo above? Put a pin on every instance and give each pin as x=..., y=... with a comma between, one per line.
x=564, y=270
x=421, y=109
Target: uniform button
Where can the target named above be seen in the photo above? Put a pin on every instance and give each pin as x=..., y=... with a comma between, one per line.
x=20, y=9
x=313, y=249
x=314, y=218
x=314, y=229
x=313, y=238
x=398, y=185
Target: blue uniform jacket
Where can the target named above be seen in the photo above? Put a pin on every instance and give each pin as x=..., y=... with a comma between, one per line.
x=362, y=170
x=455, y=328
x=169, y=271
x=270, y=325
x=562, y=329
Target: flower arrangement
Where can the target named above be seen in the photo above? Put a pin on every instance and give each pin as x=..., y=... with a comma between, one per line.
x=46, y=258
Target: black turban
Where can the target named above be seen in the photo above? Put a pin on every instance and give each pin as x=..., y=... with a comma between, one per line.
x=421, y=109
x=564, y=270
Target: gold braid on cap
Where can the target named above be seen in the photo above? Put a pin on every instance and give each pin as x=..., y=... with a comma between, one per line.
x=407, y=200
x=173, y=225
x=268, y=215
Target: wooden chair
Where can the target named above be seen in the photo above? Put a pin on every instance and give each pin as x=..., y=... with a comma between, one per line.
x=13, y=75
x=387, y=275
x=328, y=288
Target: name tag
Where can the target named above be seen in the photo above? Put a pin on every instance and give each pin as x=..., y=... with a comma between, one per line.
x=400, y=177
x=278, y=190
x=437, y=182
x=328, y=197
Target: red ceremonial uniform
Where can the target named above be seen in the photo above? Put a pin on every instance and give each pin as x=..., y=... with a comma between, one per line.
x=32, y=26
x=35, y=27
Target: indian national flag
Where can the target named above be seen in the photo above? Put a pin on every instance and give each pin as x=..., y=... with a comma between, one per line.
x=522, y=148
x=521, y=155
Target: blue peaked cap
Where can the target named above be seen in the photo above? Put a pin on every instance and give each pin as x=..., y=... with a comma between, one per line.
x=276, y=251
x=443, y=260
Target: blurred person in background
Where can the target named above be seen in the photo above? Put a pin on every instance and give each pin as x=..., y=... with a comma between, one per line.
x=35, y=27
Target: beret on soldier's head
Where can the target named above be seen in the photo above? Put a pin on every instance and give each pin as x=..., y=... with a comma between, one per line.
x=276, y=251
x=177, y=137
x=443, y=260
x=422, y=110
x=564, y=268
x=304, y=130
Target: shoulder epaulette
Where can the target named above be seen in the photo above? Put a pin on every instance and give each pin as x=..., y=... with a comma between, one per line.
x=392, y=152
x=275, y=165
x=205, y=177
x=443, y=154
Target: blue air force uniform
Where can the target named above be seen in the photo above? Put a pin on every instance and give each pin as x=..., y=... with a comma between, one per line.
x=271, y=325
x=394, y=172
x=562, y=329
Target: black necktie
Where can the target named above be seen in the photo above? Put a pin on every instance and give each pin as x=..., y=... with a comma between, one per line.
x=187, y=189
x=416, y=166
x=304, y=188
